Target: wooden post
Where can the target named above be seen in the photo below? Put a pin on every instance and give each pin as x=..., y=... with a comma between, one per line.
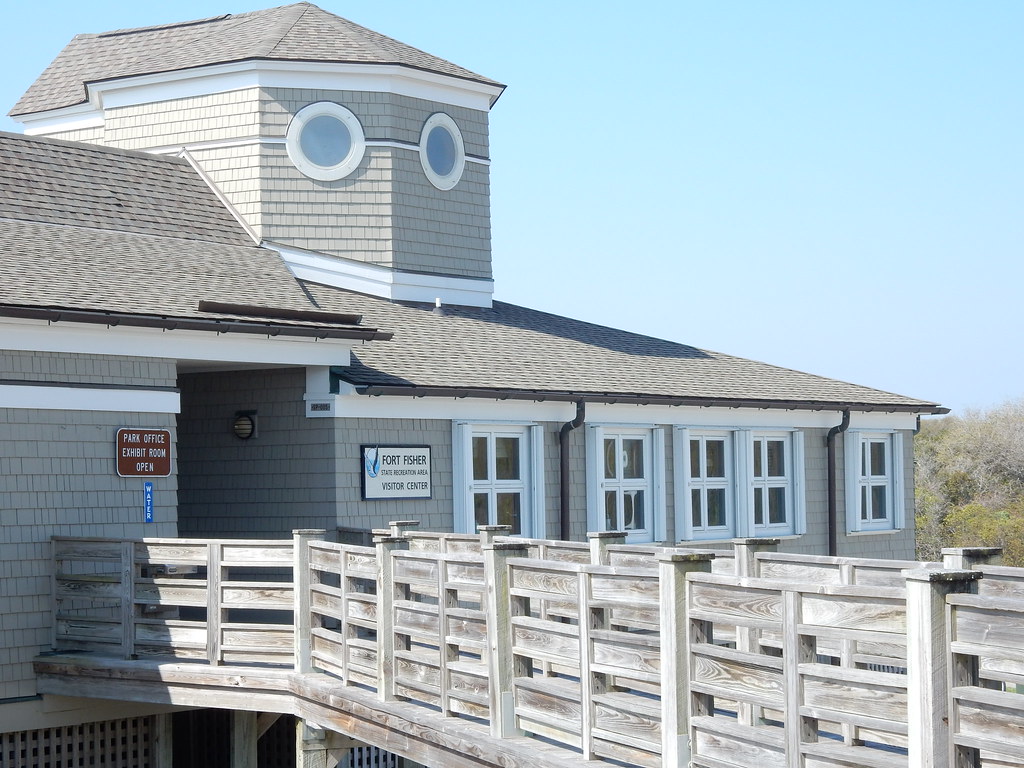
x=599, y=541
x=489, y=532
x=214, y=612
x=303, y=579
x=398, y=528
x=128, y=599
x=798, y=649
x=967, y=558
x=310, y=745
x=243, y=739
x=746, y=554
x=386, y=596
x=162, y=739
x=745, y=559
x=499, y=611
x=675, y=665
x=928, y=673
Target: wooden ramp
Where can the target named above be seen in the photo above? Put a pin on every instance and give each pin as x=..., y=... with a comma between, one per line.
x=486, y=650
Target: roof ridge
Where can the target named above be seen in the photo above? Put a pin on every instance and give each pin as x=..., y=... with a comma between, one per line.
x=188, y=23
x=280, y=40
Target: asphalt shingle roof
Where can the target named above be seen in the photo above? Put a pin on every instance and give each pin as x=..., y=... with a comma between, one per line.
x=299, y=32
x=99, y=229
x=93, y=228
x=509, y=347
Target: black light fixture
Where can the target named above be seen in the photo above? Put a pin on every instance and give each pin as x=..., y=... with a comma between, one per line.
x=244, y=425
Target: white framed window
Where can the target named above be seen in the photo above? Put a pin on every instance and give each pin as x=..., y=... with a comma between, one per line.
x=874, y=481
x=498, y=477
x=706, y=481
x=325, y=141
x=738, y=483
x=625, y=481
x=442, y=151
x=771, y=472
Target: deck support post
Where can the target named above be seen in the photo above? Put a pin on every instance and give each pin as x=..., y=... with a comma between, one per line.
x=243, y=739
x=386, y=596
x=928, y=672
x=500, y=661
x=303, y=578
x=675, y=663
x=162, y=740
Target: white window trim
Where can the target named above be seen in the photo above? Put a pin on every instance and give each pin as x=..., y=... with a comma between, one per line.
x=681, y=460
x=348, y=163
x=796, y=523
x=742, y=483
x=852, y=442
x=535, y=517
x=449, y=180
x=656, y=478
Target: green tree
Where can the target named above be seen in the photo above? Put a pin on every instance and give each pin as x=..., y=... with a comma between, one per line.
x=969, y=474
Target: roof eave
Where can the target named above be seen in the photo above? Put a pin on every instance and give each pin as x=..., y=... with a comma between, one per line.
x=170, y=322
x=642, y=399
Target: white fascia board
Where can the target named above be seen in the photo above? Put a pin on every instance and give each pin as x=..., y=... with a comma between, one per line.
x=731, y=418
x=478, y=409
x=234, y=76
x=382, y=281
x=88, y=399
x=39, y=336
x=468, y=409
x=74, y=118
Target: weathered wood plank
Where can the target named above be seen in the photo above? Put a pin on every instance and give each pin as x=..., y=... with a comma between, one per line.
x=723, y=740
x=862, y=613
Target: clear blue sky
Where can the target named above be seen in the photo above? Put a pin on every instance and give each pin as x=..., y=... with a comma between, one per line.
x=829, y=186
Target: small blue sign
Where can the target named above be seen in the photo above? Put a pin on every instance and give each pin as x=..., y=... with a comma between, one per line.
x=147, y=495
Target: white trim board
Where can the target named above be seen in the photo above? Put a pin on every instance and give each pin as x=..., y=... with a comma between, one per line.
x=383, y=281
x=493, y=411
x=82, y=338
x=223, y=78
x=88, y=399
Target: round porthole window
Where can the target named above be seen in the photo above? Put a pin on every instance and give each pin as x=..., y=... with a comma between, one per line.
x=325, y=141
x=442, y=153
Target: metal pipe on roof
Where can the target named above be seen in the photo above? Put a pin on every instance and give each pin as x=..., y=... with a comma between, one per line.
x=833, y=500
x=563, y=468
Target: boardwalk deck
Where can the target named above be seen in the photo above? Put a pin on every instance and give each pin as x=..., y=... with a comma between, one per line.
x=455, y=650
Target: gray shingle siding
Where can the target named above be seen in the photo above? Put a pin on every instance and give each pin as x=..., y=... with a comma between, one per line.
x=58, y=478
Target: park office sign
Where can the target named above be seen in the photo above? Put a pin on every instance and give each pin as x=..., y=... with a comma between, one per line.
x=143, y=452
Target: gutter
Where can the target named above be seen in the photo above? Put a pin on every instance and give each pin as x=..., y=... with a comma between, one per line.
x=563, y=468
x=833, y=500
x=610, y=398
x=189, y=324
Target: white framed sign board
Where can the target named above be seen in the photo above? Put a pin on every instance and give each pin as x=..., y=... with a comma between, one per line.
x=395, y=471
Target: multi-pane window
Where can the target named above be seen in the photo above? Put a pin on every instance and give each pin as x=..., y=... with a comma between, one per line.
x=499, y=477
x=875, y=483
x=710, y=486
x=873, y=472
x=771, y=482
x=626, y=482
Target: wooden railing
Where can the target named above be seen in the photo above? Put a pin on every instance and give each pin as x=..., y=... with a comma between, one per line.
x=638, y=654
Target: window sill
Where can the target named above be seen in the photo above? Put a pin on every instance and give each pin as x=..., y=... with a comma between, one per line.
x=879, y=532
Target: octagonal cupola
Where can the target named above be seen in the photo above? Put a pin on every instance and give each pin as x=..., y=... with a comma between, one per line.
x=364, y=161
